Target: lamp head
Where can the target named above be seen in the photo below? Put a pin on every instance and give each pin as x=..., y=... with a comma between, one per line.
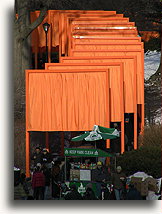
x=46, y=27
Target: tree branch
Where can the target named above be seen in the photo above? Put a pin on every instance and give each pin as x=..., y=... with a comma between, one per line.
x=35, y=24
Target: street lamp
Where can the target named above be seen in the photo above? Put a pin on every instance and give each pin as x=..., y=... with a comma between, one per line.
x=45, y=28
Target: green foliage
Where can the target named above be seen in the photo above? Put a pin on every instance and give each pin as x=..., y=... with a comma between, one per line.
x=147, y=158
x=151, y=137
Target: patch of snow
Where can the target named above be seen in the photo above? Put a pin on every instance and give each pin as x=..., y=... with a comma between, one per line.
x=158, y=116
x=151, y=62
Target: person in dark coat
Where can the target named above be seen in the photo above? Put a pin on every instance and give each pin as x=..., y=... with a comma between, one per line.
x=37, y=156
x=46, y=158
x=73, y=194
x=119, y=181
x=89, y=194
x=38, y=184
x=55, y=173
x=105, y=193
x=47, y=175
x=99, y=175
x=133, y=193
x=21, y=190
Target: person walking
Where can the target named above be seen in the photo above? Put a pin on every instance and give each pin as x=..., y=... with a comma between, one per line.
x=46, y=158
x=99, y=175
x=55, y=173
x=119, y=181
x=38, y=184
x=47, y=175
x=37, y=156
x=105, y=193
x=21, y=190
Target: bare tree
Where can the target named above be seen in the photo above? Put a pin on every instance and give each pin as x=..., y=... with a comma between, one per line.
x=22, y=54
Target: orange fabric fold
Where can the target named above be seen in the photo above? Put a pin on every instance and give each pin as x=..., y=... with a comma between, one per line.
x=115, y=82
x=66, y=101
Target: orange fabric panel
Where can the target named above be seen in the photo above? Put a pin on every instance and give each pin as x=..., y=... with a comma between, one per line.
x=117, y=40
x=95, y=20
x=129, y=67
x=38, y=37
x=98, y=53
x=132, y=32
x=63, y=29
x=87, y=25
x=53, y=17
x=116, y=89
x=108, y=29
x=115, y=77
x=140, y=73
x=75, y=13
x=101, y=38
x=108, y=46
x=34, y=34
x=100, y=20
x=140, y=77
x=86, y=11
x=70, y=20
x=89, y=14
x=61, y=34
x=140, y=68
x=104, y=35
x=54, y=22
x=67, y=101
x=66, y=19
x=103, y=25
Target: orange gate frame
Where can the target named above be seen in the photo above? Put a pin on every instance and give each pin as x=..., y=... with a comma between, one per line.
x=117, y=40
x=106, y=46
x=39, y=73
x=72, y=31
x=54, y=19
x=60, y=66
x=120, y=52
x=104, y=60
x=66, y=18
x=65, y=33
x=109, y=65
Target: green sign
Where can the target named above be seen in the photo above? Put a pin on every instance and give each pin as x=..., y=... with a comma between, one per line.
x=81, y=186
x=86, y=152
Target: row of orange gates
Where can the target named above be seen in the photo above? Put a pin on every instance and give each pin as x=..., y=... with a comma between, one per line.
x=99, y=77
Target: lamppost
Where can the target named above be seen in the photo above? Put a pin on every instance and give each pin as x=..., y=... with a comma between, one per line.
x=46, y=27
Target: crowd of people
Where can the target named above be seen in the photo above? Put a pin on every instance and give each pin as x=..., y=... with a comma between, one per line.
x=48, y=182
